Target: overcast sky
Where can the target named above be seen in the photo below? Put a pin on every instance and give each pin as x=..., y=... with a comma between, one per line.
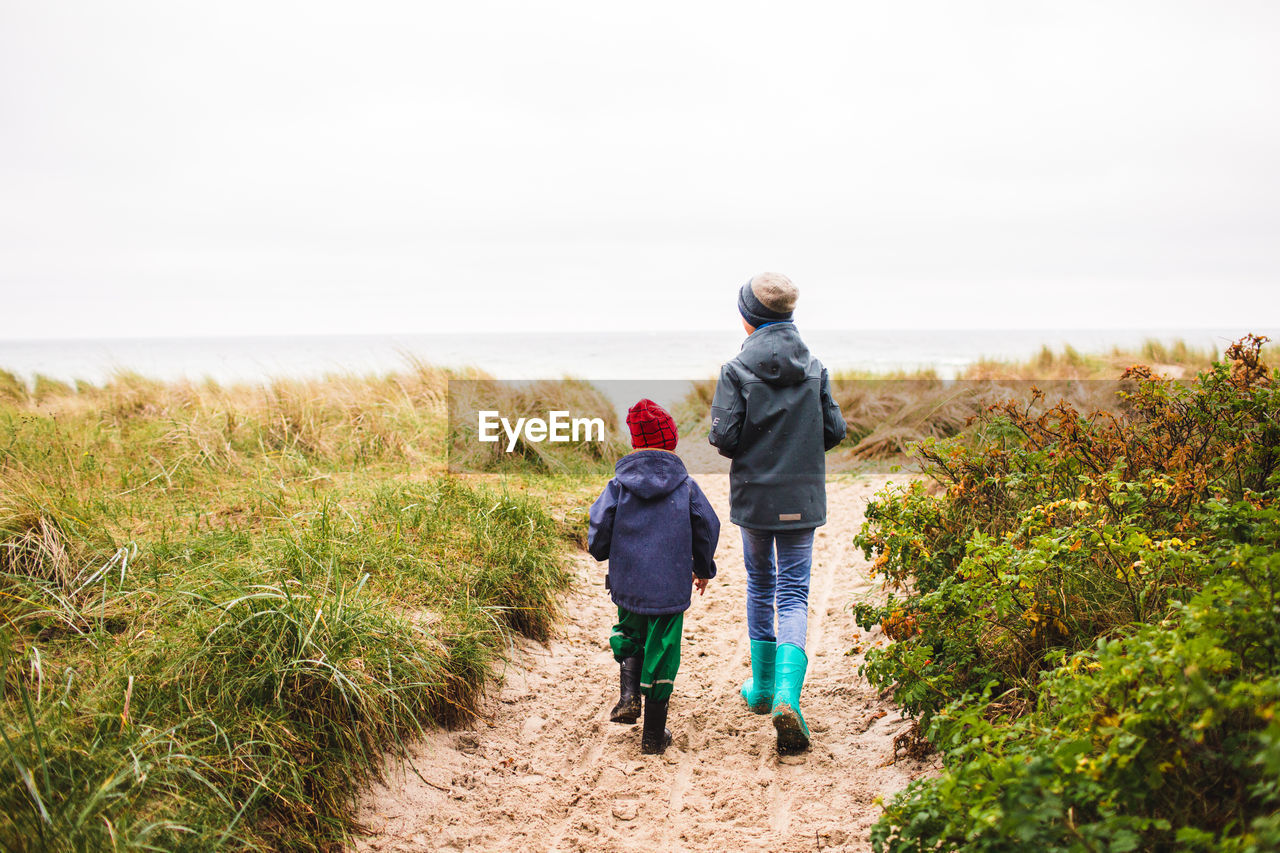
x=174, y=168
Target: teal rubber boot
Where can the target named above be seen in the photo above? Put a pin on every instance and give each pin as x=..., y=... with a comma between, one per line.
x=758, y=689
x=789, y=668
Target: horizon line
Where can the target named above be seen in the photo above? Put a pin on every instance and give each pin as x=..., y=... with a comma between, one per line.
x=629, y=331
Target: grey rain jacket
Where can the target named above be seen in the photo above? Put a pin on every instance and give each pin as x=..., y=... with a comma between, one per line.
x=774, y=416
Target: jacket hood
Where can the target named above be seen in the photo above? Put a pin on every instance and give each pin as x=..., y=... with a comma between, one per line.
x=651, y=473
x=776, y=354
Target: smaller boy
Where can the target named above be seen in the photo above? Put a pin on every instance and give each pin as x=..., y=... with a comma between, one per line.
x=659, y=533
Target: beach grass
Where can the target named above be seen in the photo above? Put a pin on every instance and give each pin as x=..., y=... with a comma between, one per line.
x=535, y=399
x=888, y=412
x=220, y=607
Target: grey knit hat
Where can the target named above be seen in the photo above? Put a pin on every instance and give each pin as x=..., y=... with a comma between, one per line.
x=767, y=298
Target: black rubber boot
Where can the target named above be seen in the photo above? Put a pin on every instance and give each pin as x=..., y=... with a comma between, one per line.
x=628, y=708
x=656, y=737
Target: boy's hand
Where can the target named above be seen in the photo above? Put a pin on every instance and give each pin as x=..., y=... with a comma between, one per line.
x=700, y=584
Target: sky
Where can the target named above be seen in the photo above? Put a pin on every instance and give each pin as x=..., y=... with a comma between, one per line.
x=269, y=168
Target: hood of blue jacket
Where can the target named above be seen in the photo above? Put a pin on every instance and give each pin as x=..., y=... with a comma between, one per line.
x=776, y=354
x=651, y=473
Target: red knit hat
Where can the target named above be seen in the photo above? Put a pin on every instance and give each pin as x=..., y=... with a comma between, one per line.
x=651, y=426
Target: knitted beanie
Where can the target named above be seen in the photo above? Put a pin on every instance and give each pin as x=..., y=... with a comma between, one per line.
x=767, y=298
x=651, y=426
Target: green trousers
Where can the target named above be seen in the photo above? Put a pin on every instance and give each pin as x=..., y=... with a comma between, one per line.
x=656, y=641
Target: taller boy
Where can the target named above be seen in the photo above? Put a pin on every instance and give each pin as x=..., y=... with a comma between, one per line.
x=774, y=416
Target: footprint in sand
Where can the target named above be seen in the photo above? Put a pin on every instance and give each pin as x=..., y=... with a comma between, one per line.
x=586, y=787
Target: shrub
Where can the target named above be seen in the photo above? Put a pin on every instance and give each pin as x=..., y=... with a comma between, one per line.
x=1077, y=590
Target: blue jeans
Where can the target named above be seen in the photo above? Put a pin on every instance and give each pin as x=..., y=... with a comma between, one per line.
x=778, y=587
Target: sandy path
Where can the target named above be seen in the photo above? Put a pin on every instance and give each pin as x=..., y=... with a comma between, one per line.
x=545, y=770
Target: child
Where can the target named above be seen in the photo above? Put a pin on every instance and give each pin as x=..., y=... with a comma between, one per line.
x=774, y=416
x=658, y=532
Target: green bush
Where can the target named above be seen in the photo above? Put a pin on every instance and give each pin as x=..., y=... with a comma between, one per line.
x=1086, y=623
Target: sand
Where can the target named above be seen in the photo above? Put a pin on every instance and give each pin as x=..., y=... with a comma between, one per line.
x=543, y=769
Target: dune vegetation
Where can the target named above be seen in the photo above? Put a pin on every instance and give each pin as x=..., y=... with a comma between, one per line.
x=1085, y=620
x=220, y=607
x=889, y=412
x=533, y=399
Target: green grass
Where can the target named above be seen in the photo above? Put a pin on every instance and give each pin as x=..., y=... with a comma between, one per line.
x=220, y=607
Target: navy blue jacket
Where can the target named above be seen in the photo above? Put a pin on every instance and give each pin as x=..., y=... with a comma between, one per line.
x=657, y=530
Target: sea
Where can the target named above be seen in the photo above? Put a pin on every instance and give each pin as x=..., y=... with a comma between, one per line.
x=655, y=355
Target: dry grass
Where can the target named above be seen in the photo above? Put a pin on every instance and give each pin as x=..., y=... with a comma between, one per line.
x=530, y=399
x=214, y=599
x=888, y=412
